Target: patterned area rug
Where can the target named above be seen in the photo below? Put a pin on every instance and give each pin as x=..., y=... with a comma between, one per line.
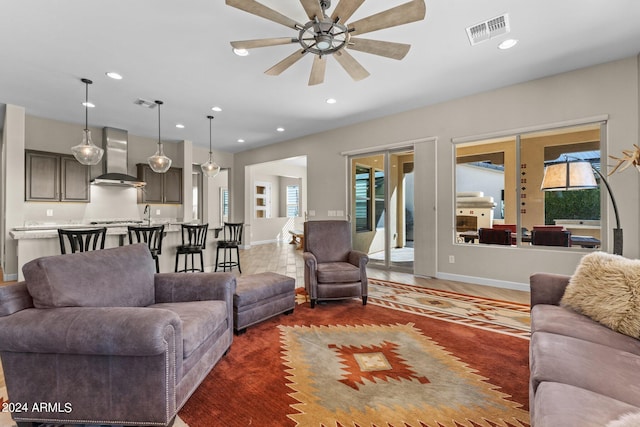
x=412, y=357
x=499, y=316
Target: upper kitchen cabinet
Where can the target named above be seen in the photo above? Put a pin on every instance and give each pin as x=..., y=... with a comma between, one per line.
x=161, y=188
x=53, y=177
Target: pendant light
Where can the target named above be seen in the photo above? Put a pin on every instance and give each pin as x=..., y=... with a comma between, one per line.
x=210, y=168
x=159, y=162
x=87, y=152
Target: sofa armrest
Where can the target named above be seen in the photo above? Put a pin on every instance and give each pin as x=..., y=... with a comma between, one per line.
x=360, y=260
x=181, y=287
x=13, y=298
x=310, y=274
x=113, y=331
x=547, y=288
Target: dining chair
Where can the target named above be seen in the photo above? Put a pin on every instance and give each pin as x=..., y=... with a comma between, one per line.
x=231, y=239
x=550, y=238
x=152, y=236
x=493, y=236
x=82, y=240
x=194, y=239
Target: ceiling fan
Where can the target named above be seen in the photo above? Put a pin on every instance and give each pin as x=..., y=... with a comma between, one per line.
x=325, y=35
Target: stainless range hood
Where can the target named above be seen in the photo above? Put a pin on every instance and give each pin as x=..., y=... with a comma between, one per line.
x=115, y=160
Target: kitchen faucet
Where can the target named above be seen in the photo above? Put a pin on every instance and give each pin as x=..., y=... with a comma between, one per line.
x=147, y=211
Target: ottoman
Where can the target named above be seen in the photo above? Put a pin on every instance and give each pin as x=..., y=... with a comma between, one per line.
x=261, y=296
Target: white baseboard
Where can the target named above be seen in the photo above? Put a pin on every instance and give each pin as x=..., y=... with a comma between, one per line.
x=266, y=242
x=484, y=281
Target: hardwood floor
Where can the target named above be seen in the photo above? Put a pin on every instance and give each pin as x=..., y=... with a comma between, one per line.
x=283, y=258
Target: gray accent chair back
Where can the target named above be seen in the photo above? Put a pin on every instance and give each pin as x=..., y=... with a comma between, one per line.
x=112, y=340
x=332, y=269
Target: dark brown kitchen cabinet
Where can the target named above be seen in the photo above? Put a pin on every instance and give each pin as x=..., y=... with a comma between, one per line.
x=53, y=177
x=162, y=188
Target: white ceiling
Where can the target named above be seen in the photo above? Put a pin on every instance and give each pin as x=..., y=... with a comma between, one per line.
x=179, y=52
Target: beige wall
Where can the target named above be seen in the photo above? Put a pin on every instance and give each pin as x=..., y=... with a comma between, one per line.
x=608, y=89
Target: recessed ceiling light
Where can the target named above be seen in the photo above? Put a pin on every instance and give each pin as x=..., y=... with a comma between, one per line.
x=114, y=75
x=507, y=44
x=216, y=108
x=280, y=129
x=241, y=52
x=88, y=104
x=241, y=140
x=180, y=126
x=331, y=101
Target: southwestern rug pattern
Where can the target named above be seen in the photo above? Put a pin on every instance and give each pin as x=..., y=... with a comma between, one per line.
x=413, y=357
x=379, y=375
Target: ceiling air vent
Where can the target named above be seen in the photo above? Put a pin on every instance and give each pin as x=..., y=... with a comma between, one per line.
x=144, y=103
x=488, y=29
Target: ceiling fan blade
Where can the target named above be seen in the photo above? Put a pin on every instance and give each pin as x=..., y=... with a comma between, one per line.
x=412, y=11
x=263, y=11
x=313, y=9
x=350, y=65
x=345, y=9
x=287, y=62
x=317, y=71
x=251, y=44
x=376, y=47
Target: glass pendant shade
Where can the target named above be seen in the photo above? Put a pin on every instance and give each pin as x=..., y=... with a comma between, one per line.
x=210, y=168
x=87, y=152
x=159, y=162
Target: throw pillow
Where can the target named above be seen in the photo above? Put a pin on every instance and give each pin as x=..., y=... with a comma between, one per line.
x=606, y=288
x=627, y=420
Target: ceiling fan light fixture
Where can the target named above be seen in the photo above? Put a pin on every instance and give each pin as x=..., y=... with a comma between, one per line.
x=241, y=52
x=324, y=41
x=159, y=162
x=87, y=152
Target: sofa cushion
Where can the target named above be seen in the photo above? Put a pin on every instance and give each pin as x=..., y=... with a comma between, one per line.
x=557, y=405
x=631, y=419
x=199, y=320
x=338, y=272
x=584, y=364
x=564, y=321
x=606, y=288
x=117, y=277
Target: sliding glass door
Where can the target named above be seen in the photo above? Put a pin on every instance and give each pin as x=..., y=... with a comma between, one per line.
x=382, y=207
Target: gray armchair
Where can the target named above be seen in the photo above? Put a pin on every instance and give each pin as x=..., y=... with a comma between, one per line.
x=332, y=269
x=99, y=338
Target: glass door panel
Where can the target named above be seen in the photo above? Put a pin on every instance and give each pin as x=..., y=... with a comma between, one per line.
x=382, y=208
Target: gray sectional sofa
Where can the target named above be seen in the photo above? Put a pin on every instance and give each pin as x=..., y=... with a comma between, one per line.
x=583, y=373
x=100, y=338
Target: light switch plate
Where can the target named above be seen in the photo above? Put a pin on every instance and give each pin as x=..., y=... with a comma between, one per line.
x=157, y=211
x=49, y=212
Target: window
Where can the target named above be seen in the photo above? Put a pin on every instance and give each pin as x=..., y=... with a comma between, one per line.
x=293, y=200
x=498, y=182
x=363, y=198
x=224, y=204
x=379, y=199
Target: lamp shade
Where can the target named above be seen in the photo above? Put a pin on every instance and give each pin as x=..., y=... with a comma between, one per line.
x=210, y=168
x=87, y=152
x=568, y=176
x=159, y=162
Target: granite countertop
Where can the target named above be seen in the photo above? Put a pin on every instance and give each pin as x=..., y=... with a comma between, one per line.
x=47, y=231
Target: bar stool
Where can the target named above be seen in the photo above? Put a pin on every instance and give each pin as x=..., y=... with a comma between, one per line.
x=227, y=244
x=194, y=238
x=152, y=236
x=82, y=240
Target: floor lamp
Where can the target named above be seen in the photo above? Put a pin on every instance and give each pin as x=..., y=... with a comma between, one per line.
x=579, y=175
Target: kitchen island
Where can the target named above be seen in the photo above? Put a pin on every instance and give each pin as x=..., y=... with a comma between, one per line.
x=42, y=240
